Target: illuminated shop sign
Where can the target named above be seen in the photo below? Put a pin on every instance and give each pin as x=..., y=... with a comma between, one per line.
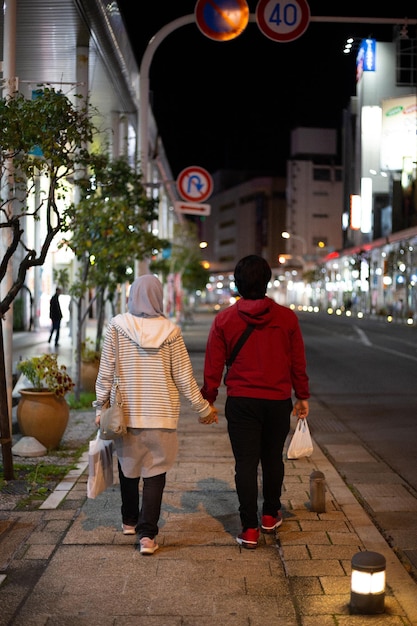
x=365, y=61
x=399, y=131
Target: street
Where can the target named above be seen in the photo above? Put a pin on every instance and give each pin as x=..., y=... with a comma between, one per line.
x=363, y=372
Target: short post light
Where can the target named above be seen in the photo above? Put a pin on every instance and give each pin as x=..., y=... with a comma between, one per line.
x=367, y=583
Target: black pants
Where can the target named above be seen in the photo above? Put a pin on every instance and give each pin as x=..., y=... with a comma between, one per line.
x=146, y=518
x=257, y=431
x=56, y=327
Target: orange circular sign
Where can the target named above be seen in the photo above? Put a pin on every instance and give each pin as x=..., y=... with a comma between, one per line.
x=222, y=20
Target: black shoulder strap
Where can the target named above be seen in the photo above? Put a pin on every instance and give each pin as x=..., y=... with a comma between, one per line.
x=239, y=344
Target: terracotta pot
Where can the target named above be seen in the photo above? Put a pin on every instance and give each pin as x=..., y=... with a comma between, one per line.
x=89, y=371
x=43, y=415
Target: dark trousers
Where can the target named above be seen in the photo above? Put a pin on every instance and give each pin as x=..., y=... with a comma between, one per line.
x=146, y=518
x=257, y=431
x=56, y=327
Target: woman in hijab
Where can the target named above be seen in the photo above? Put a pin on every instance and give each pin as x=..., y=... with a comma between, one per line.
x=154, y=369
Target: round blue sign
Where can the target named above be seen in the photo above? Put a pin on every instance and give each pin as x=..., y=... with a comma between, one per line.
x=222, y=20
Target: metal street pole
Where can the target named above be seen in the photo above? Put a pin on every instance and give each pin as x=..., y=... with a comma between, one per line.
x=144, y=83
x=144, y=104
x=144, y=87
x=286, y=235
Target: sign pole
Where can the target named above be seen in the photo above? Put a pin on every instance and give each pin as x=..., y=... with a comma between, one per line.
x=144, y=87
x=144, y=103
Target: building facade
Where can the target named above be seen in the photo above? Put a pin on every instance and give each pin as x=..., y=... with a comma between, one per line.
x=375, y=271
x=80, y=47
x=250, y=214
x=353, y=225
x=247, y=217
x=314, y=193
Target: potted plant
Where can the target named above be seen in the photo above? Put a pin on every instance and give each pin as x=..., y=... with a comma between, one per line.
x=90, y=361
x=42, y=411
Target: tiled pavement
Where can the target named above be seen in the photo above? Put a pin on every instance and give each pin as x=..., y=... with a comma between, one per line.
x=68, y=563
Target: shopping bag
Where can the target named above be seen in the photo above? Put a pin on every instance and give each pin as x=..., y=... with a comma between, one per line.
x=100, y=466
x=301, y=443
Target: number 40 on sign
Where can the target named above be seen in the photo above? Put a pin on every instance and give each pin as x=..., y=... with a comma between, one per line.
x=283, y=21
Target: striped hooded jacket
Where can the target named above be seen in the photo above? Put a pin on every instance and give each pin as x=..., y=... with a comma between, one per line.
x=154, y=369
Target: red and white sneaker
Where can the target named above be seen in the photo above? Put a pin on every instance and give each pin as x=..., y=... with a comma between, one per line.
x=270, y=523
x=248, y=538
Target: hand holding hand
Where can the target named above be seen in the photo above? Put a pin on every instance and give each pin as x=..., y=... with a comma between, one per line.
x=211, y=418
x=301, y=409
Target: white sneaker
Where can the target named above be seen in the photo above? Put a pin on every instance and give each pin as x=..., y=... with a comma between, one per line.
x=147, y=546
x=128, y=530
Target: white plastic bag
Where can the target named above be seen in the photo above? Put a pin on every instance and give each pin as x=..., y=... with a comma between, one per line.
x=301, y=443
x=100, y=466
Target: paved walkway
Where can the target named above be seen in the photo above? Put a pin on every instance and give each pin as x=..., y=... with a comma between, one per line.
x=68, y=563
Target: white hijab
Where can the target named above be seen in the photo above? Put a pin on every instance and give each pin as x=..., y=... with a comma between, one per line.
x=146, y=297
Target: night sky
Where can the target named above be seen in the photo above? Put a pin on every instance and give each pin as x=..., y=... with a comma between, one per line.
x=233, y=104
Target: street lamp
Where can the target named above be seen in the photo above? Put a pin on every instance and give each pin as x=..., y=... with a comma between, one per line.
x=286, y=235
x=367, y=583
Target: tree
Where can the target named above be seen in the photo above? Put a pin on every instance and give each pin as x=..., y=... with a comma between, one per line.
x=108, y=230
x=184, y=259
x=45, y=137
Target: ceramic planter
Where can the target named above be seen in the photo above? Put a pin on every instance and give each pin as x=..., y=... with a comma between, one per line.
x=43, y=415
x=89, y=371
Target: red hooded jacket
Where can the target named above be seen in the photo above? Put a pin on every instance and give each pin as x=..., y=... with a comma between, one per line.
x=270, y=364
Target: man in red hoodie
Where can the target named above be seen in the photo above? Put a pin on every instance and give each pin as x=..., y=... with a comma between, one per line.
x=268, y=368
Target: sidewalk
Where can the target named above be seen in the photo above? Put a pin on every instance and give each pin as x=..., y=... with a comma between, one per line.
x=68, y=563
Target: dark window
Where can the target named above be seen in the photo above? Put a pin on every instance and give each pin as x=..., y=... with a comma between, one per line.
x=225, y=207
x=321, y=173
x=406, y=55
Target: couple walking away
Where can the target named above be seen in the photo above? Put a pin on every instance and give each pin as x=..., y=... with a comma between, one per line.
x=155, y=368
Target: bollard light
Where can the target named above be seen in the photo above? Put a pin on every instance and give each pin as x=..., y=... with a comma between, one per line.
x=367, y=593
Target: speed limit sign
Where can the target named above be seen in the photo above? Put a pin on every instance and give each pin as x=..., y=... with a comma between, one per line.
x=283, y=21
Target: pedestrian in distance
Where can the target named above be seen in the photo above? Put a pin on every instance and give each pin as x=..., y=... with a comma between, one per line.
x=154, y=371
x=55, y=314
x=268, y=368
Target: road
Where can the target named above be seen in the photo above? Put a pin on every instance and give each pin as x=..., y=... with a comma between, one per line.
x=363, y=372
